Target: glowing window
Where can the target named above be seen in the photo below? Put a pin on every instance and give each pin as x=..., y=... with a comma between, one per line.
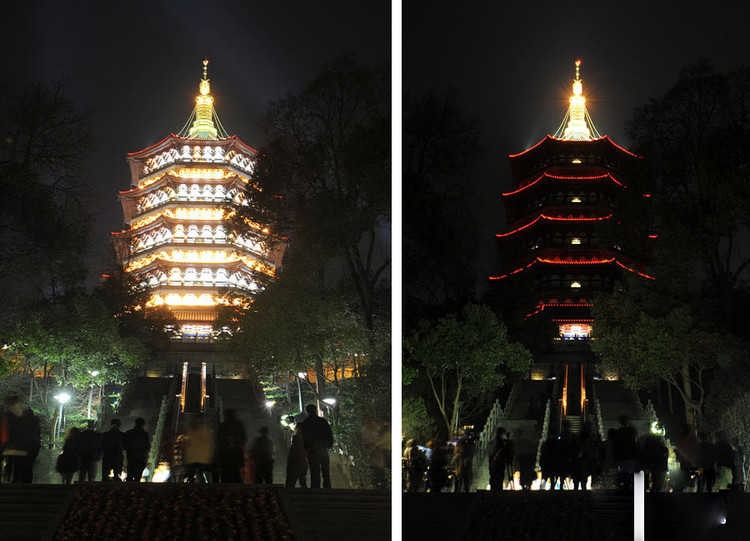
x=575, y=331
x=575, y=160
x=575, y=285
x=575, y=199
x=575, y=241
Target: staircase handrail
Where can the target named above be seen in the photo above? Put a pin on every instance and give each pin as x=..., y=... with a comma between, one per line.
x=597, y=411
x=638, y=406
x=650, y=412
x=511, y=398
x=545, y=434
x=153, y=454
x=488, y=431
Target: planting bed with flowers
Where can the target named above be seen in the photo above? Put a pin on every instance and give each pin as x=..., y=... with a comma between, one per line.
x=538, y=516
x=174, y=512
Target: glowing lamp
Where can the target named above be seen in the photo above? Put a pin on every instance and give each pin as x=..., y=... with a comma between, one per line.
x=62, y=398
x=270, y=403
x=575, y=285
x=330, y=401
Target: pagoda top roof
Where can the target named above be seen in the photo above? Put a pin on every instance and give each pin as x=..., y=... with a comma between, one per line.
x=177, y=140
x=550, y=143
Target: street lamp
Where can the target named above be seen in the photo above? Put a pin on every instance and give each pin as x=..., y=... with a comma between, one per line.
x=93, y=373
x=300, y=377
x=329, y=402
x=62, y=398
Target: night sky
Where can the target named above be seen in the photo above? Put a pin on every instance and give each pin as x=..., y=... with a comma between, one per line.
x=512, y=66
x=135, y=66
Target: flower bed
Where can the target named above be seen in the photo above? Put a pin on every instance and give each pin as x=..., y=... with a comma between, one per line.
x=537, y=516
x=174, y=512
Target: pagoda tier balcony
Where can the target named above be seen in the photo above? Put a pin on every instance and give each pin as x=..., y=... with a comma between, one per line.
x=173, y=205
x=253, y=250
x=553, y=153
x=229, y=152
x=569, y=202
x=176, y=176
x=559, y=216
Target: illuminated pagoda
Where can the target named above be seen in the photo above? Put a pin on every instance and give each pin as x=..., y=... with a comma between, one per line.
x=177, y=239
x=564, y=242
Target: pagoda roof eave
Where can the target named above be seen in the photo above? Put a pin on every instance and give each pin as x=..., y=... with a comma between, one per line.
x=551, y=140
x=172, y=137
x=573, y=263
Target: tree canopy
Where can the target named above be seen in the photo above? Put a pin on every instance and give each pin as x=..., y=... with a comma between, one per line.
x=462, y=357
x=440, y=149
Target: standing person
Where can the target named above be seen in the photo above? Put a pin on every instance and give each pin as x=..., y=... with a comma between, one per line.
x=199, y=452
x=724, y=461
x=500, y=458
x=464, y=459
x=31, y=422
x=738, y=466
x=14, y=440
x=626, y=451
x=263, y=455
x=416, y=465
x=296, y=462
x=178, y=459
x=137, y=446
x=318, y=440
x=112, y=448
x=588, y=456
x=687, y=452
x=89, y=452
x=706, y=462
x=655, y=462
x=548, y=461
x=231, y=440
x=437, y=474
x=67, y=461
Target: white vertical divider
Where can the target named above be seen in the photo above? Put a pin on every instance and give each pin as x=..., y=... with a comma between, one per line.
x=639, y=506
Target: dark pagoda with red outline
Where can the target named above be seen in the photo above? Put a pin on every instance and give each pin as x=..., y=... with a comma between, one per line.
x=561, y=213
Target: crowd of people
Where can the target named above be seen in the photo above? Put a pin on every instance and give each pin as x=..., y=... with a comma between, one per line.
x=199, y=454
x=581, y=460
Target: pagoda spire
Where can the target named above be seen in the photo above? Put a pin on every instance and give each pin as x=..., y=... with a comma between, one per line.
x=577, y=128
x=203, y=125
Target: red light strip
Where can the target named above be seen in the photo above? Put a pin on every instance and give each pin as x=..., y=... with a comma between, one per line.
x=531, y=148
x=513, y=272
x=579, y=219
x=506, y=194
x=635, y=271
x=653, y=236
x=572, y=320
x=618, y=146
x=535, y=220
x=554, y=219
x=568, y=262
x=541, y=307
x=559, y=261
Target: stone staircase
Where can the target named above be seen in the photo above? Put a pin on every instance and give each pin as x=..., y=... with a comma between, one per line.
x=27, y=512
x=344, y=515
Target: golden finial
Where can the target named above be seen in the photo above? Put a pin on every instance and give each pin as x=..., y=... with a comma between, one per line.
x=578, y=67
x=203, y=126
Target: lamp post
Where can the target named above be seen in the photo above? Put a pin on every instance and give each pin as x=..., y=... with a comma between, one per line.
x=91, y=392
x=300, y=376
x=62, y=398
